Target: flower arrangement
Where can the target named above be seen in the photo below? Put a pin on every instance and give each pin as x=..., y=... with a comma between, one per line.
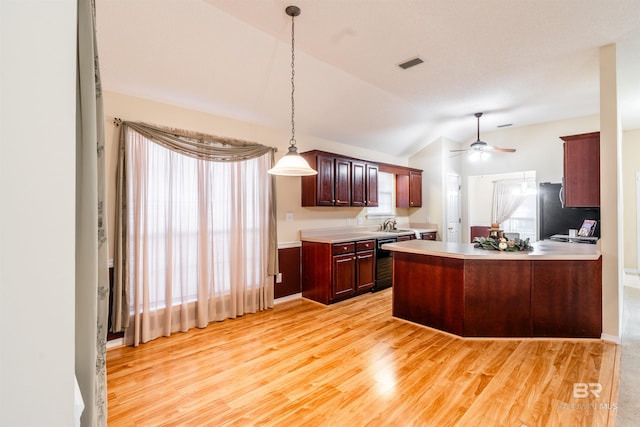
x=502, y=244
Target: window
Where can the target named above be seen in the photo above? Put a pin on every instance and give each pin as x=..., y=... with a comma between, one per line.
x=386, y=182
x=523, y=220
x=198, y=238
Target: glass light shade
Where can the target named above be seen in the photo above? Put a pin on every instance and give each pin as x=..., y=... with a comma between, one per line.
x=292, y=164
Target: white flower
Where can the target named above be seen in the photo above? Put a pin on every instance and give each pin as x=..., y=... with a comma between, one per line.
x=502, y=246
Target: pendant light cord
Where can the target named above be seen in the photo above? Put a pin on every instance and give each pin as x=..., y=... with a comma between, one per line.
x=292, y=141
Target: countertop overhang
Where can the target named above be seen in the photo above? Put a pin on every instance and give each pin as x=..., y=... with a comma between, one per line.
x=542, y=250
x=351, y=236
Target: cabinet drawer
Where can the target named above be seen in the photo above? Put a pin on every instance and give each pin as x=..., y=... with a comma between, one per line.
x=343, y=248
x=431, y=235
x=365, y=245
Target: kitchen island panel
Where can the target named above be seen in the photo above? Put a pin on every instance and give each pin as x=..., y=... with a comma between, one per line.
x=474, y=294
x=429, y=290
x=566, y=298
x=497, y=298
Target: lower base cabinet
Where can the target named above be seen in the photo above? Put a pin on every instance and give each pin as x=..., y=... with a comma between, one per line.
x=334, y=272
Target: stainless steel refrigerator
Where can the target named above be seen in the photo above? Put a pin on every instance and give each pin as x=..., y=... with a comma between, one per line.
x=553, y=218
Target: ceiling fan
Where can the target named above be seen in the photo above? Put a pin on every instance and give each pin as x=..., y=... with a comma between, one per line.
x=481, y=147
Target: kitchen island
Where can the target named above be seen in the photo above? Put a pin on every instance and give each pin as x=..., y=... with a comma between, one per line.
x=555, y=290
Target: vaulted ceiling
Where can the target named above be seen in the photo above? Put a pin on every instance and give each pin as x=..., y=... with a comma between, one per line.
x=520, y=62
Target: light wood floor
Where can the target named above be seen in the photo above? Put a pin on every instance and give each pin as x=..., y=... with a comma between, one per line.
x=352, y=364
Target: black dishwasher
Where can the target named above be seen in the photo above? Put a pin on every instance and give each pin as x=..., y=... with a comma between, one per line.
x=384, y=264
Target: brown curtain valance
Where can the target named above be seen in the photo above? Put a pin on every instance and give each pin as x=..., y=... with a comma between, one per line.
x=199, y=145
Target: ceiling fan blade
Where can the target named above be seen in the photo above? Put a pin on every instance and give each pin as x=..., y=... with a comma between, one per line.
x=480, y=146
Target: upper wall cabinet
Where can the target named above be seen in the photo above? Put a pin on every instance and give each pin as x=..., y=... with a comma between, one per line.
x=582, y=170
x=409, y=190
x=341, y=181
x=364, y=188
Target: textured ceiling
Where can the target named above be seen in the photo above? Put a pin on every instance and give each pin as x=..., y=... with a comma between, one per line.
x=519, y=62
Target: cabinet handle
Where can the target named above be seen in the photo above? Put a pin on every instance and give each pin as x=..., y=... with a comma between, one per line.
x=344, y=248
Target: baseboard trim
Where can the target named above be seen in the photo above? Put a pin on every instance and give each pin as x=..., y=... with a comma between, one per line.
x=631, y=278
x=288, y=298
x=118, y=342
x=611, y=338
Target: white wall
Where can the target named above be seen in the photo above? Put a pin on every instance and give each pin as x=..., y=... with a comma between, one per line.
x=630, y=165
x=37, y=219
x=436, y=162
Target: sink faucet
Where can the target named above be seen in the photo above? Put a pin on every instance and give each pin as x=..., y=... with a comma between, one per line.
x=389, y=224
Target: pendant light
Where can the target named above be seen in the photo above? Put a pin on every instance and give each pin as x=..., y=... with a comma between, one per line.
x=292, y=164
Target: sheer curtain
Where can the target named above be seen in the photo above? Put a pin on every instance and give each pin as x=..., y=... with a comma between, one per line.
x=507, y=197
x=198, y=235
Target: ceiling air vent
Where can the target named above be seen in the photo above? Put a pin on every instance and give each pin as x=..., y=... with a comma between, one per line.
x=411, y=63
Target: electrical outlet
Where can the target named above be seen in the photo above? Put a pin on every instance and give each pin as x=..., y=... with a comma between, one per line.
x=360, y=220
x=288, y=216
x=279, y=278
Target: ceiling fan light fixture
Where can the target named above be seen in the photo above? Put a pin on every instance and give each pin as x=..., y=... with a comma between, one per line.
x=292, y=163
x=480, y=150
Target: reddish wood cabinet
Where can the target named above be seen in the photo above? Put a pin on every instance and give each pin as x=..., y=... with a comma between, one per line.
x=582, y=170
x=341, y=181
x=409, y=190
x=365, y=265
x=333, y=272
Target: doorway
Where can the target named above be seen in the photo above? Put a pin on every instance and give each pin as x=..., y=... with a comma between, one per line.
x=454, y=219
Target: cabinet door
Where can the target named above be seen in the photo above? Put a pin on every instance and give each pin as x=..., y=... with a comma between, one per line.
x=415, y=189
x=344, y=274
x=342, y=182
x=409, y=190
x=582, y=170
x=371, y=185
x=325, y=181
x=402, y=191
x=365, y=270
x=358, y=186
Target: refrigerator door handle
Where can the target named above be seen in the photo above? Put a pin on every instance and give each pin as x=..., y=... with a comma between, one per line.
x=561, y=193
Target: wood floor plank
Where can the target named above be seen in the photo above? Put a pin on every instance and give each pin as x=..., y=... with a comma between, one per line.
x=352, y=363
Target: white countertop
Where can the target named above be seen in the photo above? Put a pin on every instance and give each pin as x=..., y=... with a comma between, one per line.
x=542, y=250
x=352, y=234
